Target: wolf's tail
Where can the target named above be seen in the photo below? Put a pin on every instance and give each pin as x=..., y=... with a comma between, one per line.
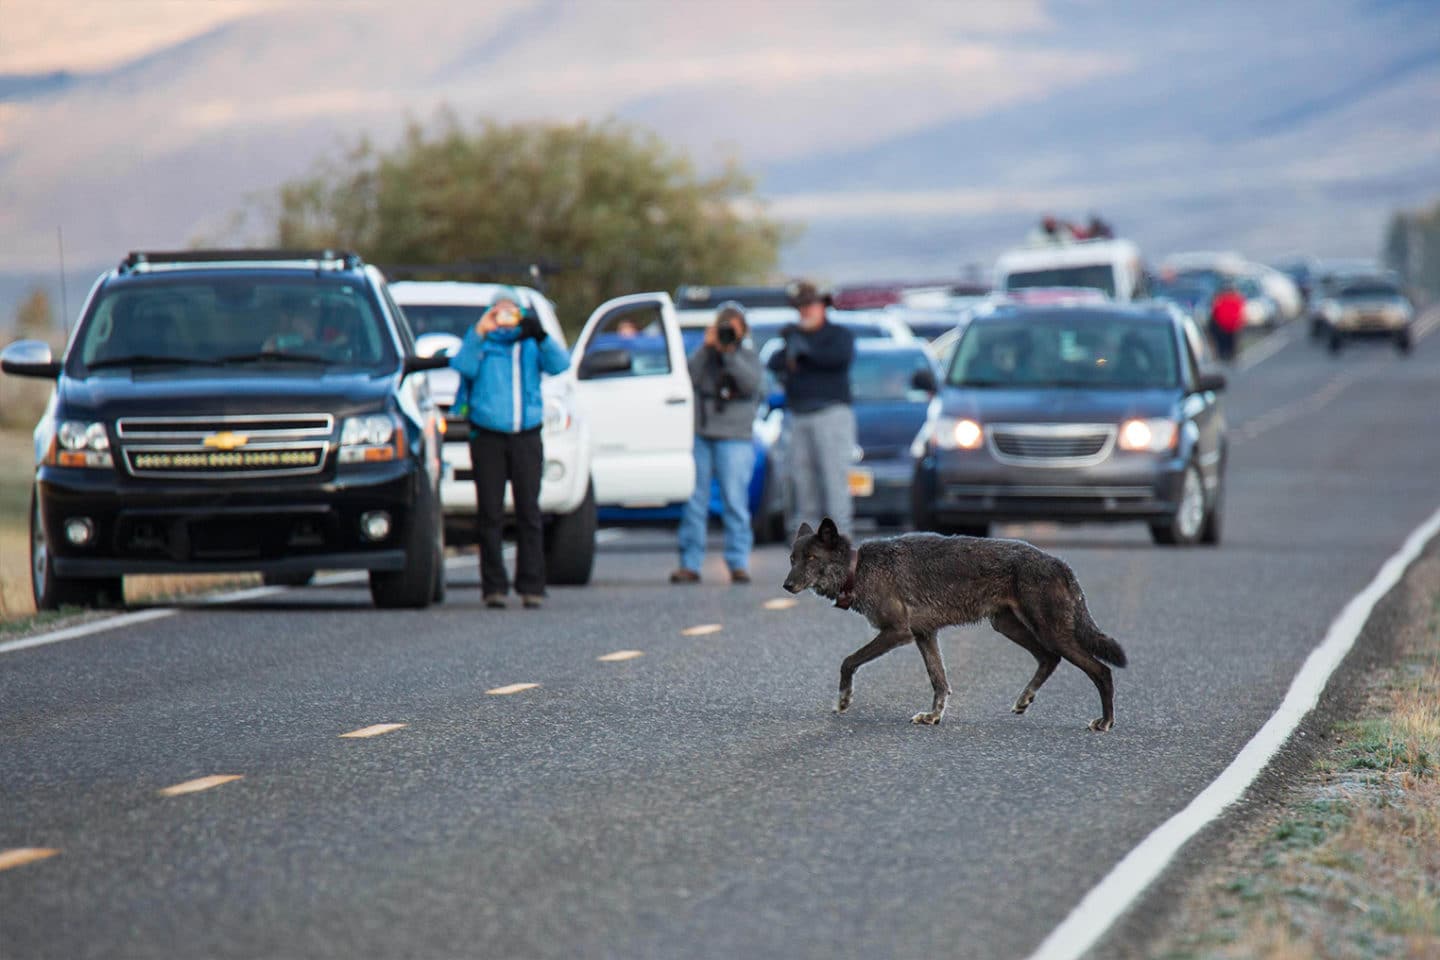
x=1095, y=640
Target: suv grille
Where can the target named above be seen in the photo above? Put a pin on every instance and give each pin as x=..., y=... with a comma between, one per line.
x=225, y=447
x=1052, y=444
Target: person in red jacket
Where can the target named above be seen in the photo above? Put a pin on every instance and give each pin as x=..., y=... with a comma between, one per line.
x=1227, y=317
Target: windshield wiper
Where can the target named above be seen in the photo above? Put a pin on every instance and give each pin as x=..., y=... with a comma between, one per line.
x=149, y=360
x=275, y=356
x=985, y=383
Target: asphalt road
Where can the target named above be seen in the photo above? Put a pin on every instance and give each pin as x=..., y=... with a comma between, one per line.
x=700, y=800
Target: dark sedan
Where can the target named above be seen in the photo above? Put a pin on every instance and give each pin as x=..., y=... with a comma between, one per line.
x=891, y=384
x=1074, y=414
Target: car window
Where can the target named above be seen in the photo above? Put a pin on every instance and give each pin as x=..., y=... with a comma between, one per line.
x=235, y=319
x=1066, y=349
x=640, y=330
x=886, y=376
x=1097, y=277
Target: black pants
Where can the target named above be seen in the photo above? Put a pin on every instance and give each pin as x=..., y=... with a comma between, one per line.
x=519, y=459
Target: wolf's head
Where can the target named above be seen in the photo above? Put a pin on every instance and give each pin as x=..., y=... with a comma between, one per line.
x=819, y=560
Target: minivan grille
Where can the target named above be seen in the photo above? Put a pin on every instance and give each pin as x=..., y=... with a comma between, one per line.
x=1052, y=444
x=225, y=447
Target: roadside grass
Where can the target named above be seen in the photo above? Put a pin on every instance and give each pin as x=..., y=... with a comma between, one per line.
x=17, y=609
x=1350, y=866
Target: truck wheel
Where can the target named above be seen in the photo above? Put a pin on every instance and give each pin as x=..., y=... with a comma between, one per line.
x=570, y=544
x=51, y=592
x=1403, y=343
x=300, y=579
x=1336, y=341
x=414, y=586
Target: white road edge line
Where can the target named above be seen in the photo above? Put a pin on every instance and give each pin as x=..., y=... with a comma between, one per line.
x=1098, y=910
x=236, y=596
x=1268, y=347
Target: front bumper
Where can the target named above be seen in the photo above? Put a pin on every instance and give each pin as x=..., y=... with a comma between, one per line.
x=971, y=486
x=278, y=526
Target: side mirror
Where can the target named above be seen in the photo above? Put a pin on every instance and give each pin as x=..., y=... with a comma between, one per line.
x=602, y=363
x=416, y=364
x=1210, y=381
x=437, y=344
x=925, y=380
x=30, y=358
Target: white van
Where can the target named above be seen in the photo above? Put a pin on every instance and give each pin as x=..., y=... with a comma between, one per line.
x=1114, y=267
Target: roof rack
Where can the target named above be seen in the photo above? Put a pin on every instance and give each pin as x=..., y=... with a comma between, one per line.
x=144, y=261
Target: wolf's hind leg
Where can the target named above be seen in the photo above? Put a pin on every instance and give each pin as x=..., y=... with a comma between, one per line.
x=930, y=650
x=887, y=640
x=1099, y=674
x=1007, y=623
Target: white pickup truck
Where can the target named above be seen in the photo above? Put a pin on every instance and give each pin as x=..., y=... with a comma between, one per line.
x=618, y=426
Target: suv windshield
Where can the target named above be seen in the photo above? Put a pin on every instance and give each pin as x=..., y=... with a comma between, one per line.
x=433, y=318
x=1066, y=350
x=277, y=322
x=1098, y=277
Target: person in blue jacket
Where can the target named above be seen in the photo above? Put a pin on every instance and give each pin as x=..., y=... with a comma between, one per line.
x=500, y=363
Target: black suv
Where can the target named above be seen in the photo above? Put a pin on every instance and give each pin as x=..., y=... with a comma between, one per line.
x=236, y=410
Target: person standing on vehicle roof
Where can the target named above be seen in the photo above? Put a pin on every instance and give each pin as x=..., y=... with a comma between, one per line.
x=500, y=363
x=725, y=375
x=815, y=369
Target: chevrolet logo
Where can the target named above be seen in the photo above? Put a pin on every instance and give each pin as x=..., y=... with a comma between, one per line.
x=225, y=440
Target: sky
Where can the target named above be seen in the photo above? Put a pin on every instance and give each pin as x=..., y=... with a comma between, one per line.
x=907, y=138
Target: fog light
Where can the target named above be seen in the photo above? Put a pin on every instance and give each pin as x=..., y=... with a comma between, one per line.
x=554, y=470
x=79, y=530
x=375, y=525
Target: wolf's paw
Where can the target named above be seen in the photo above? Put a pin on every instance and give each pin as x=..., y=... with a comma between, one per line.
x=843, y=703
x=1102, y=725
x=1022, y=705
x=926, y=719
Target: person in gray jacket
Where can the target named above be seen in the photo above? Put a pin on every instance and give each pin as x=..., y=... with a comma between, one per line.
x=726, y=377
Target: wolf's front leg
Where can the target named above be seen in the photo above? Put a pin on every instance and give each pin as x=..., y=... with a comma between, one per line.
x=930, y=650
x=887, y=640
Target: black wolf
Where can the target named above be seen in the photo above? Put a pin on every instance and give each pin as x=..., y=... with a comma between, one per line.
x=911, y=586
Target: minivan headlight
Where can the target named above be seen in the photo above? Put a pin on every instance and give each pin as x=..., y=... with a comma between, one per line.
x=1153, y=435
x=957, y=433
x=371, y=438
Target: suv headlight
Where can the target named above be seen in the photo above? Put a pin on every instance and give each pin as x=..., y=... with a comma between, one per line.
x=371, y=438
x=81, y=443
x=1155, y=435
x=1330, y=310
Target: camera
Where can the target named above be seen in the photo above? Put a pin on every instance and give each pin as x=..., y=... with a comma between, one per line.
x=725, y=333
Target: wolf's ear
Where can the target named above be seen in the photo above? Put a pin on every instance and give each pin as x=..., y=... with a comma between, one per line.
x=828, y=533
x=805, y=531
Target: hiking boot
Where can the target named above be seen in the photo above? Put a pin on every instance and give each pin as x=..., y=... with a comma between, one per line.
x=532, y=601
x=684, y=575
x=495, y=601
x=738, y=575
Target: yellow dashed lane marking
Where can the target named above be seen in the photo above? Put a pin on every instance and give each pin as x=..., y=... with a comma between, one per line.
x=780, y=603
x=20, y=856
x=619, y=655
x=511, y=688
x=374, y=730
x=202, y=783
x=701, y=629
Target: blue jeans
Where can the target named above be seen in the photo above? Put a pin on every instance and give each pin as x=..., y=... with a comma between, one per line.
x=732, y=462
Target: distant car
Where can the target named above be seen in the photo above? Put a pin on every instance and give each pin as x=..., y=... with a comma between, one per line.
x=1114, y=267
x=1075, y=414
x=1367, y=307
x=1191, y=294
x=891, y=386
x=1261, y=310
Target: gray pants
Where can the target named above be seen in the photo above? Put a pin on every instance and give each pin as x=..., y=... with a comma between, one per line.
x=822, y=448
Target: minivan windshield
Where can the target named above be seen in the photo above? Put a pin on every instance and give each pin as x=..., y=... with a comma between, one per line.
x=1066, y=349
x=1100, y=276
x=272, y=323
x=888, y=376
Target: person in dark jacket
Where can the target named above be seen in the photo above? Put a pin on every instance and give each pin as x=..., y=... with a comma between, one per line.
x=726, y=375
x=815, y=370
x=500, y=363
